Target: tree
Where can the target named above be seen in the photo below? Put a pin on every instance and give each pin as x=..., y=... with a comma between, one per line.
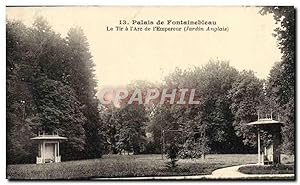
x=19, y=101
x=59, y=110
x=215, y=81
x=126, y=124
x=212, y=116
x=108, y=115
x=80, y=76
x=130, y=129
x=247, y=98
x=172, y=153
x=281, y=81
x=39, y=64
x=57, y=104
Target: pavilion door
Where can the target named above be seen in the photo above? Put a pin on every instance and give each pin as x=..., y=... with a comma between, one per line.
x=49, y=152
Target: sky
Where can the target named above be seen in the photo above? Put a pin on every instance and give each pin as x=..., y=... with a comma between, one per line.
x=122, y=57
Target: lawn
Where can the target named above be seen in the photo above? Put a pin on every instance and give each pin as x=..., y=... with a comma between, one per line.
x=125, y=166
x=279, y=169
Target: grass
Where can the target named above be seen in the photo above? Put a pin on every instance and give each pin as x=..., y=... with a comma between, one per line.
x=125, y=166
x=279, y=169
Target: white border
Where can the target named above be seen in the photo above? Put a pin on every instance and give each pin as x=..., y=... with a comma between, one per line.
x=152, y=2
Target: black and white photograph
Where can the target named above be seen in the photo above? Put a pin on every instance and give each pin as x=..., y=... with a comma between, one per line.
x=150, y=93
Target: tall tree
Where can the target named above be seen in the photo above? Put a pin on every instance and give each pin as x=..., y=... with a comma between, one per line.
x=213, y=82
x=281, y=81
x=39, y=65
x=130, y=135
x=247, y=97
x=80, y=76
x=108, y=115
x=57, y=104
x=19, y=106
x=212, y=116
x=59, y=110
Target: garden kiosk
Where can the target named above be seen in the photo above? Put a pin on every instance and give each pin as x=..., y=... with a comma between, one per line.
x=269, y=154
x=48, y=147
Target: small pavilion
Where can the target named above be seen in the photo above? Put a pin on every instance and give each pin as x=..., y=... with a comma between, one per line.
x=48, y=147
x=269, y=154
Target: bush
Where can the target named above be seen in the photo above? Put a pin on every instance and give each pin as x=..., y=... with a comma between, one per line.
x=172, y=153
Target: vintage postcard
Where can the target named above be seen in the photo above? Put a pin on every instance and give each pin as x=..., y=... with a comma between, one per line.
x=150, y=92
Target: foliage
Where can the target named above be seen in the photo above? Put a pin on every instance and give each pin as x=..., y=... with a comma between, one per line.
x=194, y=148
x=50, y=81
x=80, y=76
x=281, y=81
x=172, y=153
x=213, y=82
x=212, y=117
x=59, y=110
x=125, y=128
x=247, y=97
x=19, y=117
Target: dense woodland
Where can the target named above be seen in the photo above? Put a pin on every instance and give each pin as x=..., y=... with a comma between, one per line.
x=51, y=85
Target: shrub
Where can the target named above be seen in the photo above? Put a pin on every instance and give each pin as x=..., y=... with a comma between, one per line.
x=172, y=153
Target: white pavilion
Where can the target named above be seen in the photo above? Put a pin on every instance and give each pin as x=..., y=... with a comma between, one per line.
x=269, y=154
x=48, y=147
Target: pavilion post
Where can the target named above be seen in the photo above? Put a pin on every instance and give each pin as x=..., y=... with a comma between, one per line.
x=55, y=151
x=41, y=148
x=57, y=148
x=276, y=143
x=258, y=146
x=44, y=148
x=163, y=143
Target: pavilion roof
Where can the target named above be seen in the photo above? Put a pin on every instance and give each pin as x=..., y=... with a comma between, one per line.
x=49, y=137
x=265, y=122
